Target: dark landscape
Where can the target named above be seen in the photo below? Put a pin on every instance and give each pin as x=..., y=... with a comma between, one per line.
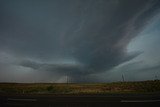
x=79, y=53
x=144, y=93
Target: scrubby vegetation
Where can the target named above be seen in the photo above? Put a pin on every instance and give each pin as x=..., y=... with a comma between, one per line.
x=102, y=88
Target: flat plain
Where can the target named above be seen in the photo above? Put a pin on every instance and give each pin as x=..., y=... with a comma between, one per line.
x=133, y=94
x=81, y=88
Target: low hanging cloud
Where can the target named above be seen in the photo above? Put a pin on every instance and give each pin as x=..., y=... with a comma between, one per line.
x=73, y=37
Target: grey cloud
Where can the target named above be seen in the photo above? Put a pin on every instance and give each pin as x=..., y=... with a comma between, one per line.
x=60, y=68
x=150, y=69
x=93, y=33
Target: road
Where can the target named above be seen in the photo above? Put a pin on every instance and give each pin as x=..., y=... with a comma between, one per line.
x=110, y=100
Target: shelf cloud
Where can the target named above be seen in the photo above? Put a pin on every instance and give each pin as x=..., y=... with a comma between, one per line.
x=72, y=37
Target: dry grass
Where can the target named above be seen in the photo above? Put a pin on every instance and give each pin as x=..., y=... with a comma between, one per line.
x=103, y=88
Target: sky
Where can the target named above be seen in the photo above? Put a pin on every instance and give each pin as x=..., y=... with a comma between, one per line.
x=79, y=40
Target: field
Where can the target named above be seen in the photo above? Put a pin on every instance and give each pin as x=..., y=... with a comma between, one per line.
x=73, y=88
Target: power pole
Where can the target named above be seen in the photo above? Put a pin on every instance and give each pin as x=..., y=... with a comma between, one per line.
x=156, y=77
x=122, y=78
x=67, y=79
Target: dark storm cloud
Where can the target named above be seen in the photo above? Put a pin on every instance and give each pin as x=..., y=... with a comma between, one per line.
x=92, y=33
x=59, y=68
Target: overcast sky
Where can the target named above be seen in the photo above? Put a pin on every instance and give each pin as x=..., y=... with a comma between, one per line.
x=85, y=40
